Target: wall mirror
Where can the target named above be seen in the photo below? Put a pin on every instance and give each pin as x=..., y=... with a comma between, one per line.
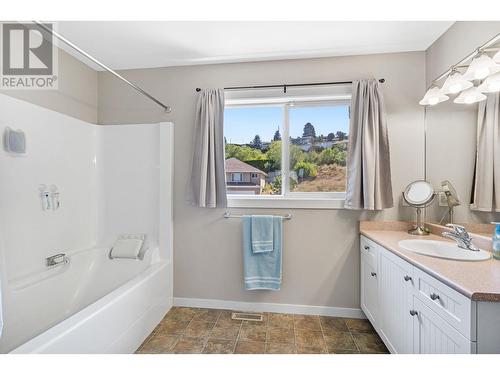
x=462, y=152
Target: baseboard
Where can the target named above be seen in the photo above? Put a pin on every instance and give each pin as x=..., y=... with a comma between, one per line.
x=342, y=312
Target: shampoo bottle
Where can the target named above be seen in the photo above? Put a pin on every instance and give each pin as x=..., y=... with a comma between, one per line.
x=496, y=241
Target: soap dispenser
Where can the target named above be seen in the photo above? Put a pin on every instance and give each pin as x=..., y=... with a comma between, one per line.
x=496, y=241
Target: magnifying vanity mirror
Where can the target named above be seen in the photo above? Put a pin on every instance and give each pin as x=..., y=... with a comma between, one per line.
x=419, y=194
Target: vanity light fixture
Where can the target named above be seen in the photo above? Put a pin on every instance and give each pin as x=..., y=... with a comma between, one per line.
x=455, y=83
x=470, y=96
x=481, y=67
x=433, y=96
x=490, y=84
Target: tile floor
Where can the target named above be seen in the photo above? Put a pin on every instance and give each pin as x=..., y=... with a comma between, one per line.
x=193, y=330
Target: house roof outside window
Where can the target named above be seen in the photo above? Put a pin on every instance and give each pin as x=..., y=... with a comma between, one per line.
x=234, y=165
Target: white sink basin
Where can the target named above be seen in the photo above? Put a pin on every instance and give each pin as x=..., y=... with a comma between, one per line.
x=443, y=249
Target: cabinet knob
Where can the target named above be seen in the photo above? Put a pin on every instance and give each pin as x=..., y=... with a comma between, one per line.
x=407, y=278
x=434, y=296
x=373, y=274
x=413, y=312
x=367, y=247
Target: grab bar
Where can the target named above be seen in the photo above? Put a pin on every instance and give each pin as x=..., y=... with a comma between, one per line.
x=227, y=215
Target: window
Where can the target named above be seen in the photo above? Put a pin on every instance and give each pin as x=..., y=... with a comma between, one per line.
x=235, y=177
x=304, y=139
x=318, y=147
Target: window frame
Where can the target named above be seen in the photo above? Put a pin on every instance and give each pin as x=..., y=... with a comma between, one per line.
x=234, y=174
x=288, y=199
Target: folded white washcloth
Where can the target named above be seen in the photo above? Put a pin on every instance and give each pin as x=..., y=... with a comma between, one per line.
x=127, y=246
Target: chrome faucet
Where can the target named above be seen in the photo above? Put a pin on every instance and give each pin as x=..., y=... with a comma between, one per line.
x=57, y=259
x=463, y=238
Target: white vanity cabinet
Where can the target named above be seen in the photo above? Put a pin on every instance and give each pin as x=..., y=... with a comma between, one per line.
x=369, y=279
x=395, y=302
x=431, y=334
x=412, y=311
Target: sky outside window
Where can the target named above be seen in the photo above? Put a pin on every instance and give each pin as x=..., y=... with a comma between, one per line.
x=325, y=119
x=243, y=123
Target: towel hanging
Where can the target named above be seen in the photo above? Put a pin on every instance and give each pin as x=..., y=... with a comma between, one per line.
x=262, y=270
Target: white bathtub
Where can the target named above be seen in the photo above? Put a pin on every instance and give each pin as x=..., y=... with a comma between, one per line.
x=91, y=305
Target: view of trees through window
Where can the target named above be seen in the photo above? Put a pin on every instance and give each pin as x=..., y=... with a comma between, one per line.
x=317, y=148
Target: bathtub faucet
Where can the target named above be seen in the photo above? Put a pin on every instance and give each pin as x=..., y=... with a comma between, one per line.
x=57, y=259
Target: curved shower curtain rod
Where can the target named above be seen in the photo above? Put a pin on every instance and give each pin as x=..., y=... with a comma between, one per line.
x=167, y=108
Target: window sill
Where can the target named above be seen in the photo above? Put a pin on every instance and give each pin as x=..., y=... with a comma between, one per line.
x=281, y=202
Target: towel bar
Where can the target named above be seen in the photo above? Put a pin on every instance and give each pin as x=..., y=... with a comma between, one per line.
x=227, y=215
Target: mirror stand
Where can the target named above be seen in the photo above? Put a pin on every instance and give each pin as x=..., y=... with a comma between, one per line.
x=419, y=194
x=419, y=229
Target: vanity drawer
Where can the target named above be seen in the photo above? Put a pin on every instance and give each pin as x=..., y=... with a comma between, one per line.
x=369, y=251
x=455, y=308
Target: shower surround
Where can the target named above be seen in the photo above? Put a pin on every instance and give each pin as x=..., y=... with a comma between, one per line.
x=110, y=180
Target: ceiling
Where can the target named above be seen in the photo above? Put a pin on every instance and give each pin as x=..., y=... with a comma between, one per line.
x=148, y=44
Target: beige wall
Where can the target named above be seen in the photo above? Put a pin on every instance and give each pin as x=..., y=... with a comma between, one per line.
x=321, y=260
x=451, y=128
x=76, y=95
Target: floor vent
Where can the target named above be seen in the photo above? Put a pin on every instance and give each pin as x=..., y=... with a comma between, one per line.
x=254, y=317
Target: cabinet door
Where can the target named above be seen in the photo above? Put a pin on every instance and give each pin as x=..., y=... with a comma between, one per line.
x=432, y=335
x=395, y=283
x=369, y=290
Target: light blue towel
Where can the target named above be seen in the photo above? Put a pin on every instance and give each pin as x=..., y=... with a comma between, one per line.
x=262, y=233
x=262, y=270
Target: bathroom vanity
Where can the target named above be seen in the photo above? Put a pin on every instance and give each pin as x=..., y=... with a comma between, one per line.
x=422, y=304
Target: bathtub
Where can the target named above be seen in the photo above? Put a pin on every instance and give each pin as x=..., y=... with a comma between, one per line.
x=91, y=305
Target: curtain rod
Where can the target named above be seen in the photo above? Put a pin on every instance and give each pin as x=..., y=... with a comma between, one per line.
x=285, y=85
x=167, y=108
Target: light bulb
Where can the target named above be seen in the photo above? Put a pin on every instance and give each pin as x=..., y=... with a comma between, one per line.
x=469, y=96
x=494, y=86
x=496, y=58
x=490, y=84
x=481, y=73
x=433, y=96
x=469, y=99
x=433, y=101
x=455, y=88
x=481, y=67
x=455, y=83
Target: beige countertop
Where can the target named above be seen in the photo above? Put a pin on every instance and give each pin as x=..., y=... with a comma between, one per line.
x=479, y=281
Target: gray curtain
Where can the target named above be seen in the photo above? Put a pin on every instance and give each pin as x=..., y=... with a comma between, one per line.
x=369, y=185
x=486, y=184
x=208, y=179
